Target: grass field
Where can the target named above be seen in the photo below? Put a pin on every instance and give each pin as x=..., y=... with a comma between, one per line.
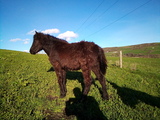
x=29, y=90
x=149, y=50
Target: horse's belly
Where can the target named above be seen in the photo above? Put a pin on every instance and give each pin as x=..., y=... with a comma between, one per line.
x=71, y=65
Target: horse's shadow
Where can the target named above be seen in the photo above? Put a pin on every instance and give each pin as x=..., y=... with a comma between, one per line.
x=72, y=75
x=75, y=75
x=83, y=110
x=86, y=110
x=51, y=70
x=132, y=97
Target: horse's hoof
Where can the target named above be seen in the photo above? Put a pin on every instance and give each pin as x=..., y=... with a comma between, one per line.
x=83, y=99
x=62, y=95
x=105, y=97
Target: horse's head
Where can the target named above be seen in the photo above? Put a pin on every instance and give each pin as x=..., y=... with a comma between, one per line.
x=36, y=45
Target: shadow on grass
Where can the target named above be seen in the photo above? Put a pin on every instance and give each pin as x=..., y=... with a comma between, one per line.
x=86, y=110
x=132, y=97
x=71, y=75
x=51, y=70
x=74, y=75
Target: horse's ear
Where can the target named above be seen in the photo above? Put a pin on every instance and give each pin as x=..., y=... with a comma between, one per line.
x=36, y=32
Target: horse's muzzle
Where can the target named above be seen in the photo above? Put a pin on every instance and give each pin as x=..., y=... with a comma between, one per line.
x=33, y=53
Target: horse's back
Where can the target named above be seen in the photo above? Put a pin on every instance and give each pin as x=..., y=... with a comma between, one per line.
x=89, y=51
x=75, y=55
x=94, y=56
x=87, y=47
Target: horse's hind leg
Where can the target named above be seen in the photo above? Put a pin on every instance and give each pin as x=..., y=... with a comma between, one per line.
x=102, y=81
x=87, y=81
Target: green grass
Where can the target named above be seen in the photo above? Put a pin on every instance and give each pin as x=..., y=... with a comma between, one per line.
x=29, y=90
x=151, y=50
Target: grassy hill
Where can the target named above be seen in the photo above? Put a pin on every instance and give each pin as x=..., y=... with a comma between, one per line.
x=29, y=90
x=151, y=50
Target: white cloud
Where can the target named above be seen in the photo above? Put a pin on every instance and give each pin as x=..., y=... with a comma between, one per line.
x=26, y=51
x=26, y=41
x=32, y=32
x=50, y=31
x=15, y=40
x=47, y=31
x=67, y=35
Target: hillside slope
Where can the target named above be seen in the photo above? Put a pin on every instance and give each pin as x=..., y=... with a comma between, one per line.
x=151, y=50
x=29, y=90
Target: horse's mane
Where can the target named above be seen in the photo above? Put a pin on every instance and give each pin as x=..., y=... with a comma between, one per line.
x=57, y=39
x=52, y=38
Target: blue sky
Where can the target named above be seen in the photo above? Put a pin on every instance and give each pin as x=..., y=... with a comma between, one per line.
x=108, y=23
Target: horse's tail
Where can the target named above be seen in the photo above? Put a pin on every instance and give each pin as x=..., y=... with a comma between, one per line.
x=102, y=61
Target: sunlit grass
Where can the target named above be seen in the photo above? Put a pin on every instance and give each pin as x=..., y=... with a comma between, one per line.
x=29, y=90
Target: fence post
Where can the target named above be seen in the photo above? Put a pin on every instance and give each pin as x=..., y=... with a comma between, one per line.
x=120, y=58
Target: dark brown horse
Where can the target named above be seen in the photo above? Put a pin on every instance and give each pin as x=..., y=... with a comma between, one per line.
x=64, y=56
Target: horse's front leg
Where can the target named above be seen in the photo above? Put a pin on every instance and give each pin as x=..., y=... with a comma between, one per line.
x=62, y=82
x=61, y=75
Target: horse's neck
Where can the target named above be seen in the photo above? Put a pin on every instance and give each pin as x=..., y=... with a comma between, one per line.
x=47, y=50
x=48, y=46
x=51, y=43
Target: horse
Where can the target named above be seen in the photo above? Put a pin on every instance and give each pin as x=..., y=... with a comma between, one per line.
x=65, y=56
